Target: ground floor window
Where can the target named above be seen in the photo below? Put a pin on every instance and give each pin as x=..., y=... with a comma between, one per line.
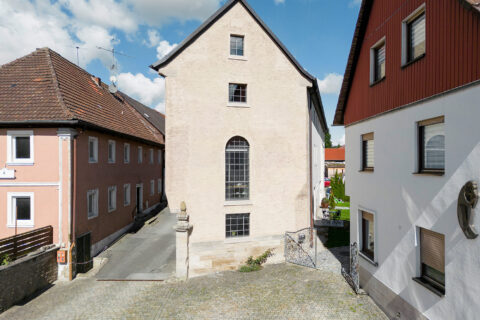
x=112, y=198
x=237, y=225
x=159, y=185
x=92, y=203
x=432, y=253
x=20, y=209
x=126, y=195
x=367, y=233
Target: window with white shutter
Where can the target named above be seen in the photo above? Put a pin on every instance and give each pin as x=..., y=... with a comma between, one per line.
x=368, y=150
x=432, y=145
x=416, y=37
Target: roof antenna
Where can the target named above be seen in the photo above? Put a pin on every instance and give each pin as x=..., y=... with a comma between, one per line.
x=114, y=68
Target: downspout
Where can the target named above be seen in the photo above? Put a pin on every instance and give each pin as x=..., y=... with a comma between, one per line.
x=73, y=167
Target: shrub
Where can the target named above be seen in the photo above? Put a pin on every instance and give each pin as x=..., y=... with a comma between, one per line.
x=256, y=264
x=331, y=201
x=5, y=260
x=338, y=187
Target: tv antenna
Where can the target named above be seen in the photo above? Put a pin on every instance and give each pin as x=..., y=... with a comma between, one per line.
x=113, y=69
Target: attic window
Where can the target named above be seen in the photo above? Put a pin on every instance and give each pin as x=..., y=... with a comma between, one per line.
x=236, y=45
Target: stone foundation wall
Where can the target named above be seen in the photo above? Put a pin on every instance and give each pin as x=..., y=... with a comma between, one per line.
x=210, y=257
x=391, y=303
x=22, y=278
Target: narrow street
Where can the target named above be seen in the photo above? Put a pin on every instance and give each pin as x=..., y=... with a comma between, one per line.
x=148, y=254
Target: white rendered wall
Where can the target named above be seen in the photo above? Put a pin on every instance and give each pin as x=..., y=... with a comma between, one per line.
x=403, y=201
x=318, y=159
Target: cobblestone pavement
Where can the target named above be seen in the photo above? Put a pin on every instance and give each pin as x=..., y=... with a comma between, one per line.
x=276, y=292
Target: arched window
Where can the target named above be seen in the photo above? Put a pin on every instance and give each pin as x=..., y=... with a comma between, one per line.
x=237, y=174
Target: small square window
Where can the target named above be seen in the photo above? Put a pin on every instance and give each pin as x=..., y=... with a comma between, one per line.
x=112, y=198
x=432, y=145
x=20, y=208
x=111, y=151
x=237, y=93
x=126, y=195
x=20, y=147
x=92, y=203
x=92, y=149
x=237, y=225
x=368, y=152
x=126, y=153
x=140, y=155
x=236, y=45
x=368, y=235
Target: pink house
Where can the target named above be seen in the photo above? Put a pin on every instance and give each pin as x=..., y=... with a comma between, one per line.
x=74, y=155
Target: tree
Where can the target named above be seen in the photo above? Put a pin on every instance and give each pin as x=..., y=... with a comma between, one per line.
x=338, y=187
x=328, y=140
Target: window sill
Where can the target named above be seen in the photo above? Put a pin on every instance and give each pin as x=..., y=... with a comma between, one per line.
x=23, y=164
x=111, y=162
x=237, y=240
x=368, y=259
x=92, y=161
x=377, y=82
x=238, y=203
x=237, y=105
x=21, y=226
x=240, y=58
x=90, y=218
x=429, y=287
x=413, y=61
x=368, y=170
x=430, y=173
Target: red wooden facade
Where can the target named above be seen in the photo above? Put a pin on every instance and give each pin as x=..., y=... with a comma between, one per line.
x=452, y=56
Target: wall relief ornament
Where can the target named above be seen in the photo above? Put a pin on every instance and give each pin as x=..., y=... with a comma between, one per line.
x=467, y=201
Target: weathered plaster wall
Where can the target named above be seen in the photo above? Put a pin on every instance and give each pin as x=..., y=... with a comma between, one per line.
x=403, y=201
x=200, y=123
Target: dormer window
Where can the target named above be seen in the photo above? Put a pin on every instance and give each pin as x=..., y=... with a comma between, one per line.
x=236, y=45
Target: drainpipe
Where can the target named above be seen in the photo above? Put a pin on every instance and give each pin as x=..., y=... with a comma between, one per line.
x=73, y=166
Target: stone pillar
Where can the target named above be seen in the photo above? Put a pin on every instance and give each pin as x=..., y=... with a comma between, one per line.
x=183, y=229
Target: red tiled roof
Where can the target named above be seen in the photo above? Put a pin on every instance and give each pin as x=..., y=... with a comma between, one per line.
x=335, y=154
x=44, y=87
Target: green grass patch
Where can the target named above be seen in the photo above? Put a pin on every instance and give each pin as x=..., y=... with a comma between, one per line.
x=345, y=215
x=249, y=268
x=338, y=237
x=343, y=204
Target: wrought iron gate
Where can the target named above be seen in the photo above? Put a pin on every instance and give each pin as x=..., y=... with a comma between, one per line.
x=352, y=276
x=301, y=247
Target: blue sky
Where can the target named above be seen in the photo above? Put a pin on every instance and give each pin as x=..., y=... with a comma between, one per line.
x=317, y=32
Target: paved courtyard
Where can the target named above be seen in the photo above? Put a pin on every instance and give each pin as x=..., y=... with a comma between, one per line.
x=276, y=292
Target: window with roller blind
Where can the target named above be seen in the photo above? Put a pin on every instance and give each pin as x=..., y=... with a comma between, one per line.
x=368, y=152
x=431, y=143
x=432, y=259
x=377, y=62
x=367, y=235
x=414, y=36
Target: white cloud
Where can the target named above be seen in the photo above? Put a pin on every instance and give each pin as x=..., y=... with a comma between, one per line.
x=164, y=48
x=147, y=91
x=279, y=1
x=332, y=83
x=354, y=3
x=153, y=38
x=340, y=141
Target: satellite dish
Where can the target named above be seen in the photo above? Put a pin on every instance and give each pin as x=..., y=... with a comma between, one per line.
x=113, y=79
x=112, y=88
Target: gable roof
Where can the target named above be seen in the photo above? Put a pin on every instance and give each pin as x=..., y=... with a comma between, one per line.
x=214, y=18
x=153, y=116
x=360, y=29
x=43, y=88
x=335, y=154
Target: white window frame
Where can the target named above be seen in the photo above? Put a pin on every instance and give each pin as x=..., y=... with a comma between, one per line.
x=114, y=189
x=140, y=155
x=127, y=195
x=11, y=210
x=152, y=187
x=126, y=153
x=373, y=49
x=11, y=147
x=152, y=156
x=360, y=235
x=405, y=22
x=236, y=57
x=112, y=143
x=94, y=214
x=93, y=159
x=159, y=186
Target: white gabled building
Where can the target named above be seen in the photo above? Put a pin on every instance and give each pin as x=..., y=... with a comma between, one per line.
x=245, y=140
